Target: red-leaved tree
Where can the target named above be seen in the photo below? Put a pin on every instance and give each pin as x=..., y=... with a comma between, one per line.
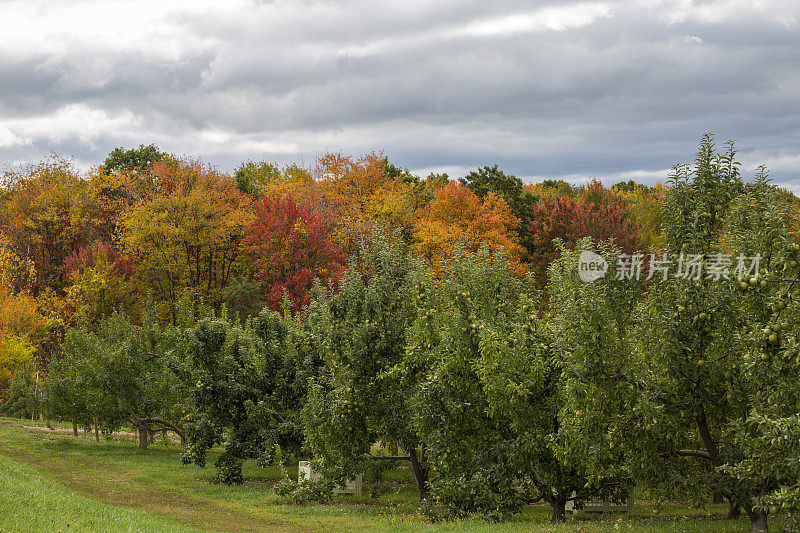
x=96, y=253
x=292, y=240
x=571, y=220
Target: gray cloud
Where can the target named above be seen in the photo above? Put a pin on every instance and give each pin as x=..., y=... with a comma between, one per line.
x=546, y=89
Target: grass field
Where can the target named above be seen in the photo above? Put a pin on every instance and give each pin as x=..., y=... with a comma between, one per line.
x=53, y=481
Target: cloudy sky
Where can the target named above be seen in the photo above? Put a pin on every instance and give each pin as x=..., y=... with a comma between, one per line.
x=614, y=90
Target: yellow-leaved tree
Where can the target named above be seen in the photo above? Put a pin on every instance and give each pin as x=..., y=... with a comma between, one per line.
x=185, y=239
x=20, y=323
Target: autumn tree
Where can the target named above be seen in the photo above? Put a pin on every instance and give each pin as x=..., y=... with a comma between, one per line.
x=103, y=281
x=21, y=324
x=185, y=239
x=644, y=205
x=457, y=217
x=510, y=188
x=21, y=327
x=570, y=219
x=349, y=185
x=393, y=206
x=291, y=240
x=258, y=179
x=425, y=188
x=40, y=225
x=549, y=189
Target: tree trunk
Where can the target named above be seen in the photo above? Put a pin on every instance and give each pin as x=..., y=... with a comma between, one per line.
x=96, y=431
x=758, y=519
x=559, y=506
x=143, y=437
x=74, y=428
x=420, y=471
x=758, y=523
x=734, y=510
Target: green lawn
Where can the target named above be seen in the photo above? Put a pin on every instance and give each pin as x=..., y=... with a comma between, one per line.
x=53, y=481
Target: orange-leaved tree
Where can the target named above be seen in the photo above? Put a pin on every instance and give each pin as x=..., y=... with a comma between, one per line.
x=39, y=219
x=20, y=323
x=457, y=217
x=349, y=187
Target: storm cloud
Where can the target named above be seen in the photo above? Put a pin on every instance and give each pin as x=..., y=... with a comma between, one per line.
x=613, y=90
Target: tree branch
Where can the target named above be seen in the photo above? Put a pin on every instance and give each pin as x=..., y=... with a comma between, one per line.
x=371, y=457
x=542, y=486
x=593, y=492
x=688, y=453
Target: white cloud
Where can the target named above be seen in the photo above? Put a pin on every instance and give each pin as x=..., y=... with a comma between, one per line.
x=783, y=12
x=550, y=89
x=78, y=121
x=559, y=18
x=9, y=139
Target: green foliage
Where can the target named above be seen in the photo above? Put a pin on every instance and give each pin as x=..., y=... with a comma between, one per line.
x=133, y=160
x=590, y=324
x=424, y=190
x=25, y=394
x=360, y=335
x=258, y=179
x=120, y=373
x=306, y=491
x=248, y=384
x=508, y=187
x=713, y=352
x=490, y=401
x=494, y=394
x=766, y=434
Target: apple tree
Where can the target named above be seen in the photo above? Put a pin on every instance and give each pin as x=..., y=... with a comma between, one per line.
x=696, y=381
x=766, y=434
x=121, y=372
x=248, y=383
x=490, y=403
x=360, y=333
